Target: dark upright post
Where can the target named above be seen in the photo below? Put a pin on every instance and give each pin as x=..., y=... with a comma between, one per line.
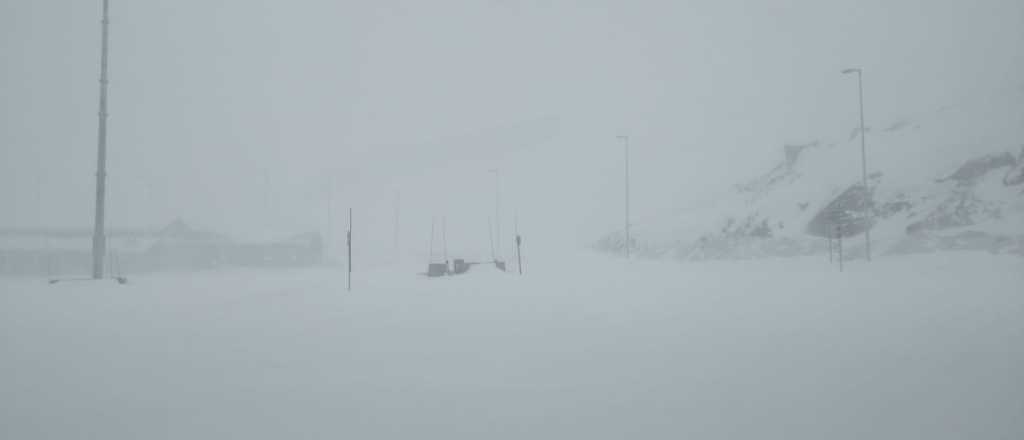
x=349, y=242
x=839, y=243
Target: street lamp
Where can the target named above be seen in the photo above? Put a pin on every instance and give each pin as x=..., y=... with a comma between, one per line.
x=863, y=163
x=99, y=231
x=625, y=140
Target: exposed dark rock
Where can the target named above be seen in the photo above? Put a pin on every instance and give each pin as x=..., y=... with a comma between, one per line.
x=959, y=210
x=179, y=230
x=762, y=230
x=897, y=126
x=856, y=131
x=753, y=226
x=744, y=247
x=962, y=241
x=780, y=173
x=845, y=212
x=1016, y=174
x=893, y=207
x=615, y=242
x=977, y=167
x=793, y=152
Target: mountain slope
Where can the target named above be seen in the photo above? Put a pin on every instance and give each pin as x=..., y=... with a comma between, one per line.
x=950, y=179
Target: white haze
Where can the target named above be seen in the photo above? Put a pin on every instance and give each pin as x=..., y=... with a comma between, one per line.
x=235, y=115
x=256, y=118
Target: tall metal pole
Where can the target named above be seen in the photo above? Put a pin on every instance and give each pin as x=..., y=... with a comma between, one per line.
x=98, y=235
x=497, y=212
x=863, y=163
x=489, y=237
x=626, y=142
x=430, y=248
x=864, y=170
x=330, y=215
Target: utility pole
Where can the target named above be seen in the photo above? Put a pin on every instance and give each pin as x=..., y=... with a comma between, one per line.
x=625, y=140
x=489, y=237
x=98, y=233
x=430, y=247
x=444, y=240
x=863, y=164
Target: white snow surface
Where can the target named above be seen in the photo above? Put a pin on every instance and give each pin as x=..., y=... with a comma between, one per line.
x=583, y=346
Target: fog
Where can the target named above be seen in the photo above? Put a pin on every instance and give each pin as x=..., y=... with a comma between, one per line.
x=236, y=115
x=789, y=274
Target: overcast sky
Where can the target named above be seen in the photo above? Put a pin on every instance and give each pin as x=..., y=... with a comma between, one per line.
x=237, y=115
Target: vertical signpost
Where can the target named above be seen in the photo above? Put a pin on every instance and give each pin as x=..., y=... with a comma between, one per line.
x=839, y=245
x=398, y=199
x=519, y=244
x=349, y=243
x=444, y=242
x=829, y=238
x=625, y=140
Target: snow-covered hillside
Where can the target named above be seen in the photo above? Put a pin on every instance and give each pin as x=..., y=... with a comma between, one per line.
x=952, y=178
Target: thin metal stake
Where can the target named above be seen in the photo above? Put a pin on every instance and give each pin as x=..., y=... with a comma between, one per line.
x=828, y=236
x=519, y=243
x=839, y=235
x=349, y=241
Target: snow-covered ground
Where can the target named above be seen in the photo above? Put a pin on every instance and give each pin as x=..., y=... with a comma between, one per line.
x=582, y=347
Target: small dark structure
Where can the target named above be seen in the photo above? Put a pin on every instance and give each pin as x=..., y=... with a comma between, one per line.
x=437, y=269
x=460, y=266
x=457, y=266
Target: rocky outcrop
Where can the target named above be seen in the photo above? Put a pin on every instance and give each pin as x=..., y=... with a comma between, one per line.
x=845, y=215
x=1016, y=174
x=962, y=241
x=970, y=171
x=962, y=208
x=917, y=199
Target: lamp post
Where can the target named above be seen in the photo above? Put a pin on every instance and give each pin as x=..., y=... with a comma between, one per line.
x=497, y=211
x=625, y=140
x=863, y=163
x=99, y=238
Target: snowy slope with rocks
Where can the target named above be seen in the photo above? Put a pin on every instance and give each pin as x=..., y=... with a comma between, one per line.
x=945, y=180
